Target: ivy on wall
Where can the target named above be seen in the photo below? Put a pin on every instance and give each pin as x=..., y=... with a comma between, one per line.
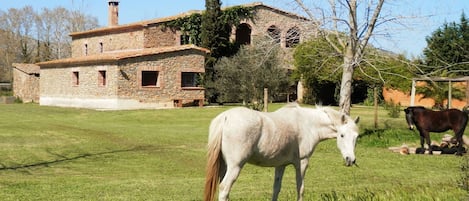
x=191, y=25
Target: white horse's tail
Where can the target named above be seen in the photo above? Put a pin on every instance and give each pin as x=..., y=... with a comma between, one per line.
x=214, y=159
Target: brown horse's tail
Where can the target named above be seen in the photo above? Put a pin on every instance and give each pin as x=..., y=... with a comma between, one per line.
x=214, y=160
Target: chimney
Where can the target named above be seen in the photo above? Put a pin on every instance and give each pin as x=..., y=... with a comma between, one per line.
x=113, y=18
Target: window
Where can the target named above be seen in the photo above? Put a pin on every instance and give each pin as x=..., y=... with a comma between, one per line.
x=150, y=79
x=101, y=48
x=76, y=78
x=86, y=49
x=293, y=37
x=185, y=39
x=189, y=79
x=102, y=78
x=274, y=33
x=243, y=34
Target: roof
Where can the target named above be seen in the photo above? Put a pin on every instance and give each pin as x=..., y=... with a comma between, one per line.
x=27, y=68
x=109, y=57
x=142, y=24
x=442, y=79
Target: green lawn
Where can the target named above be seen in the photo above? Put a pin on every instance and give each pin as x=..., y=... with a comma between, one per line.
x=50, y=153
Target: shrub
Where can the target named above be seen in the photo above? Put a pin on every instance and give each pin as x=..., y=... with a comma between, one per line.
x=394, y=109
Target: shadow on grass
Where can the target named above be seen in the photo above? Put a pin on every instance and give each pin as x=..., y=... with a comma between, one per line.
x=65, y=159
x=386, y=137
x=367, y=132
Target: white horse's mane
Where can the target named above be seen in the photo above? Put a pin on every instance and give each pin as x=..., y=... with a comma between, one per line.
x=333, y=114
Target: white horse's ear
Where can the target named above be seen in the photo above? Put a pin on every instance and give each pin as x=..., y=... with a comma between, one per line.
x=343, y=119
x=357, y=119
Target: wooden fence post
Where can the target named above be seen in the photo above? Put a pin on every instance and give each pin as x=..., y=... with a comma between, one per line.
x=375, y=100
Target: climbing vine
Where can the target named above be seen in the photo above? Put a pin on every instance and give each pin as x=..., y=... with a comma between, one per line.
x=190, y=26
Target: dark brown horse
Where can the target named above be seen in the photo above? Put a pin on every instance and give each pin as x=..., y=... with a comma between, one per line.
x=428, y=121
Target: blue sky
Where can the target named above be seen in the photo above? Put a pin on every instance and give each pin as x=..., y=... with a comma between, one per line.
x=422, y=16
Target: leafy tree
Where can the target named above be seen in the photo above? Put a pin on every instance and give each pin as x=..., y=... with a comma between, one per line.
x=318, y=65
x=211, y=30
x=438, y=91
x=244, y=76
x=386, y=69
x=448, y=49
x=214, y=36
x=215, y=33
x=446, y=55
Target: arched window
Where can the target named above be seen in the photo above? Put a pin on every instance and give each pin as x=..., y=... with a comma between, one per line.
x=292, y=37
x=274, y=33
x=243, y=34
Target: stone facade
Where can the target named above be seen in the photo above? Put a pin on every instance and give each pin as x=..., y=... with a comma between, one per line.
x=144, y=64
x=169, y=89
x=267, y=17
x=114, y=81
x=156, y=35
x=107, y=40
x=26, y=82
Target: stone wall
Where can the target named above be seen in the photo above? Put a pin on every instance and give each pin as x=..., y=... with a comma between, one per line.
x=156, y=35
x=266, y=17
x=170, y=67
x=59, y=82
x=57, y=87
x=123, y=89
x=26, y=85
x=114, y=41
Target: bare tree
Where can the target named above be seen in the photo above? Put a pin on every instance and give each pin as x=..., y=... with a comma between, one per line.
x=347, y=34
x=16, y=38
x=28, y=36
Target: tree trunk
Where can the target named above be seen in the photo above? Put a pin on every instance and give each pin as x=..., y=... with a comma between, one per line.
x=346, y=85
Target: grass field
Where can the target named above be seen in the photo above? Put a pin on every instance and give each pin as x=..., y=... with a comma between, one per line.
x=49, y=153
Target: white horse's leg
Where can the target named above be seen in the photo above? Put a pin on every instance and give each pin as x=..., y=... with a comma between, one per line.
x=232, y=173
x=278, y=181
x=300, y=175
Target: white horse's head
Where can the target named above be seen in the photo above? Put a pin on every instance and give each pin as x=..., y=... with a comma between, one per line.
x=347, y=133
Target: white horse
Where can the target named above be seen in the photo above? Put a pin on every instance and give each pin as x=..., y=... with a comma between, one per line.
x=286, y=136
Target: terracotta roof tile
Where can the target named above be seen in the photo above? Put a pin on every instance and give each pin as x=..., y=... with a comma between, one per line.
x=27, y=68
x=109, y=57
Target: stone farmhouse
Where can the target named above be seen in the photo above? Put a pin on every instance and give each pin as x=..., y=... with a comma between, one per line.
x=144, y=65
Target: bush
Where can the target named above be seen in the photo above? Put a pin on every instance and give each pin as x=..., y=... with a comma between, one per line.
x=393, y=109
